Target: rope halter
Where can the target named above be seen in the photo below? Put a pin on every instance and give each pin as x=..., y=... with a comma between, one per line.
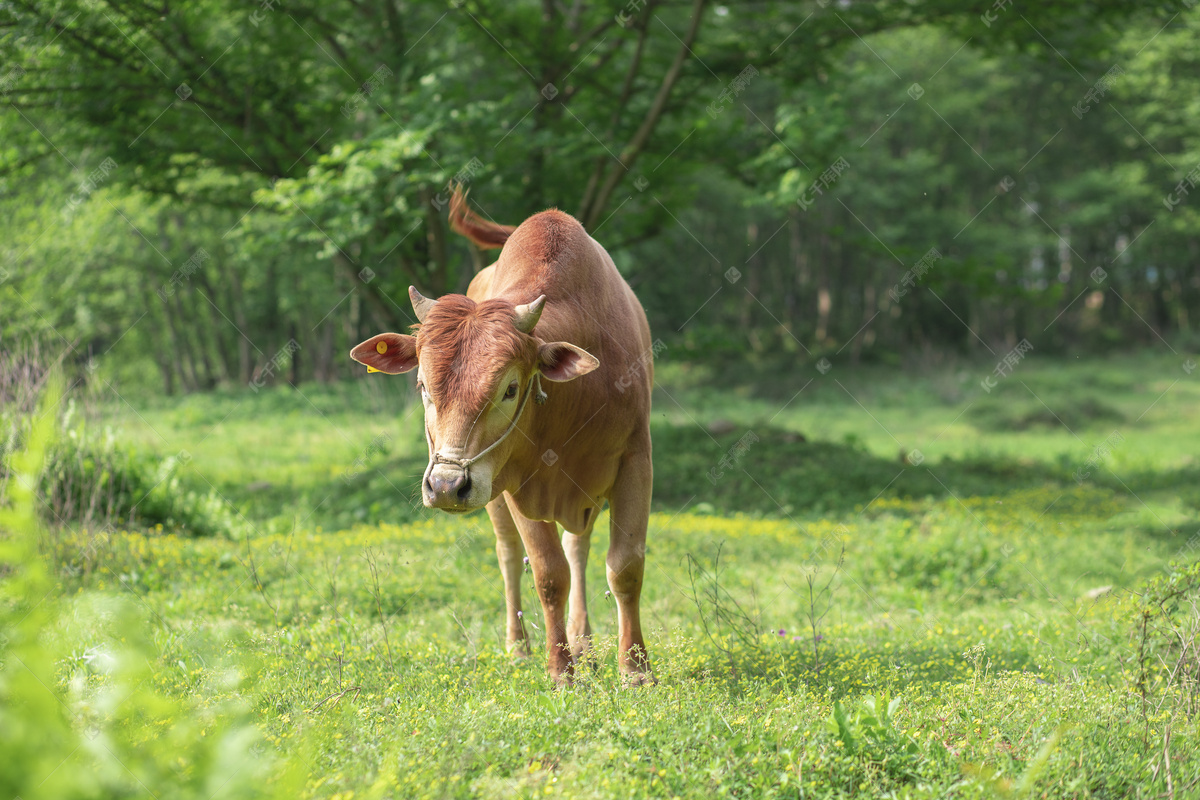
x=465, y=463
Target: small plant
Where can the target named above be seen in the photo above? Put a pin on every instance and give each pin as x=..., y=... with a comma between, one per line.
x=722, y=617
x=870, y=732
x=976, y=656
x=1023, y=785
x=1167, y=672
x=872, y=722
x=820, y=601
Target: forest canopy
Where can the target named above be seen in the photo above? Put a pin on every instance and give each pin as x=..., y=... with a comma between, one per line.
x=213, y=192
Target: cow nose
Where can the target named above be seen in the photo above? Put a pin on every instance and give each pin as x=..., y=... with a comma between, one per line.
x=440, y=488
x=464, y=489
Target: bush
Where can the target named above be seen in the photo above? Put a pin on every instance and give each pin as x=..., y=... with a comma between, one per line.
x=1009, y=413
x=88, y=480
x=92, y=482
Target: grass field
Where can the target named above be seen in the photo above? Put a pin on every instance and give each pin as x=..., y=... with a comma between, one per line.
x=907, y=587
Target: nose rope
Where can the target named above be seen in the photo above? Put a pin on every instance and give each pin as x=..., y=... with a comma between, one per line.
x=465, y=463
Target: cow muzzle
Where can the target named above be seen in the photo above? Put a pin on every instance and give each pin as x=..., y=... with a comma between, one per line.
x=448, y=483
x=447, y=487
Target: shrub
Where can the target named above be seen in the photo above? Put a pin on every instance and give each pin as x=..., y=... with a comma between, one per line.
x=93, y=482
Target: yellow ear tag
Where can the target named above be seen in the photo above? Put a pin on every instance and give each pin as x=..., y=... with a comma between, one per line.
x=371, y=369
x=381, y=348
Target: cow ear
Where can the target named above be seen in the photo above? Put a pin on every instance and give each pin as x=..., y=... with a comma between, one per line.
x=560, y=361
x=392, y=353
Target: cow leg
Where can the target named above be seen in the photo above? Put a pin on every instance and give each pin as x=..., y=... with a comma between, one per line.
x=630, y=515
x=579, y=629
x=552, y=578
x=510, y=554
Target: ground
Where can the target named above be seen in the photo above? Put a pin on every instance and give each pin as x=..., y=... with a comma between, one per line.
x=900, y=584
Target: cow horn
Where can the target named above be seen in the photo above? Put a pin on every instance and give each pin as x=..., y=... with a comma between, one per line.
x=420, y=304
x=527, y=315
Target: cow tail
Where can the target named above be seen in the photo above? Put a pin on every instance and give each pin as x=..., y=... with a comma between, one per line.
x=485, y=234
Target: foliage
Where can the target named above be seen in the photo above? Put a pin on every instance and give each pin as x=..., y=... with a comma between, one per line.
x=869, y=733
x=79, y=717
x=95, y=482
x=92, y=481
x=221, y=195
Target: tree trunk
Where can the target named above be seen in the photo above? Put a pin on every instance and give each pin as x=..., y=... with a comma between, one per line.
x=162, y=353
x=824, y=301
x=198, y=339
x=866, y=336
x=323, y=368
x=245, y=364
x=182, y=356
x=632, y=150
x=752, y=278
x=435, y=234
x=798, y=285
x=294, y=361
x=219, y=325
x=384, y=314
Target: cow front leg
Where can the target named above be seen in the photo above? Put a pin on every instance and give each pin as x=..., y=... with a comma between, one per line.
x=552, y=579
x=579, y=629
x=629, y=516
x=511, y=554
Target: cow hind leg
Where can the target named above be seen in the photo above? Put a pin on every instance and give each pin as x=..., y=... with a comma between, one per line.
x=629, y=516
x=579, y=629
x=552, y=579
x=510, y=553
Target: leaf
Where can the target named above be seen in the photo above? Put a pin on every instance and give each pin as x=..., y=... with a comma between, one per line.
x=844, y=732
x=1038, y=763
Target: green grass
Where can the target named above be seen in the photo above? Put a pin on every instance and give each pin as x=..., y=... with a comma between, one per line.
x=985, y=590
x=337, y=455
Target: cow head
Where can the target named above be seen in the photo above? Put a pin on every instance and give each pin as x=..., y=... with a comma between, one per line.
x=477, y=366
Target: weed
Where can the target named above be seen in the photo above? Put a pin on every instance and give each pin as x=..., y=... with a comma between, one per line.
x=1167, y=667
x=820, y=602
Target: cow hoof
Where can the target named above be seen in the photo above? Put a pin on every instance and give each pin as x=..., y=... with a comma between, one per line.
x=517, y=651
x=634, y=679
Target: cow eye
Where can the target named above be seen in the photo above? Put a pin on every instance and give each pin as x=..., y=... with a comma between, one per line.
x=511, y=391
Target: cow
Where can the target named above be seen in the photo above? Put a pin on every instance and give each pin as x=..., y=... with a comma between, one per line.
x=536, y=386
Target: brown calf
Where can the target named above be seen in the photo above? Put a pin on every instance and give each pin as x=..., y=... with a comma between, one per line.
x=552, y=322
